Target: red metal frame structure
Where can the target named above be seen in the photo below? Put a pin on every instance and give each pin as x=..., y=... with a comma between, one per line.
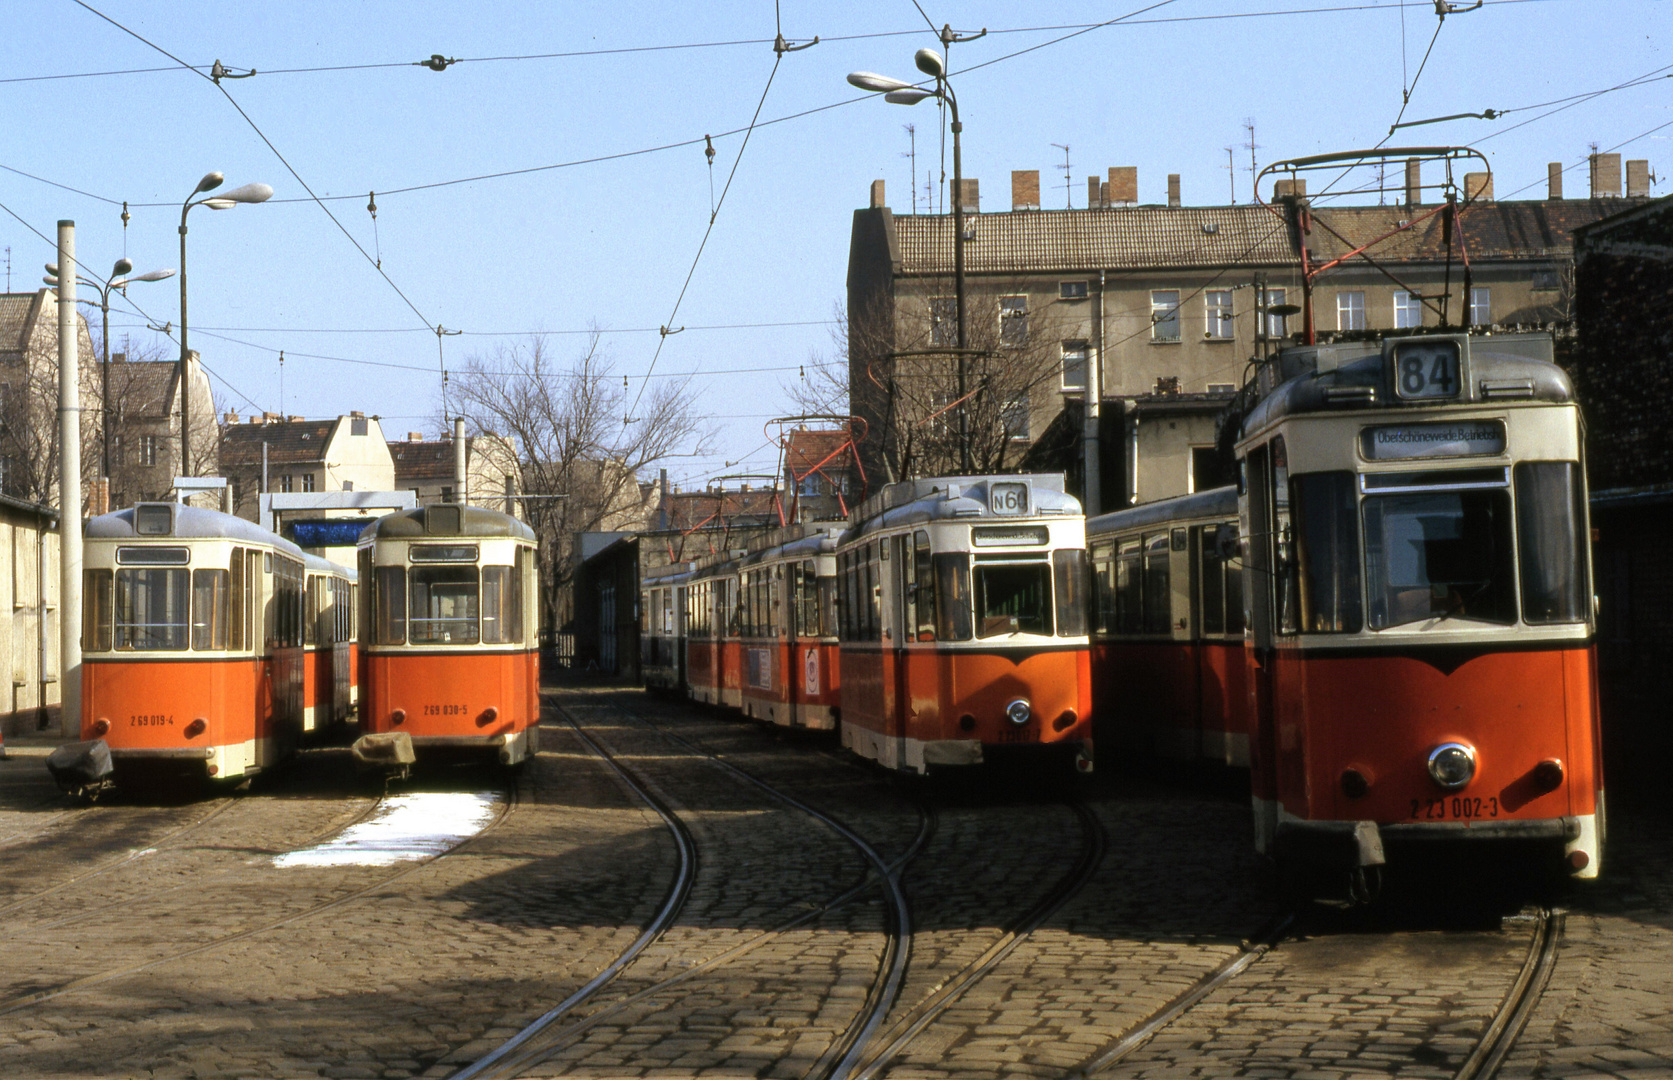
x=1299, y=216
x=856, y=429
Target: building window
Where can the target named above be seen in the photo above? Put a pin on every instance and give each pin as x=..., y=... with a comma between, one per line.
x=810, y=485
x=1164, y=315
x=1015, y=418
x=1222, y=388
x=147, y=449
x=1276, y=325
x=1481, y=307
x=348, y=485
x=1013, y=320
x=1071, y=290
x=447, y=493
x=358, y=425
x=284, y=483
x=943, y=320
x=307, y=481
x=1074, y=365
x=1408, y=310
x=1350, y=311
x=1545, y=281
x=1218, y=303
x=1208, y=470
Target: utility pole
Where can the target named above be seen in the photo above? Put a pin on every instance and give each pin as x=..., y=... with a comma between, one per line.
x=69, y=488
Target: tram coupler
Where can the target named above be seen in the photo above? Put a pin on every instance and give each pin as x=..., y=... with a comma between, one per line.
x=1083, y=758
x=389, y=753
x=82, y=769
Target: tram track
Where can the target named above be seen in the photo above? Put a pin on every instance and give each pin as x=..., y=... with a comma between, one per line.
x=1508, y=1022
x=537, y=1043
x=20, y=1002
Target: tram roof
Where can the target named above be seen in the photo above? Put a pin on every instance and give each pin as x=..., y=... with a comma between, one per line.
x=1495, y=369
x=946, y=498
x=321, y=565
x=1215, y=502
x=447, y=519
x=184, y=523
x=796, y=541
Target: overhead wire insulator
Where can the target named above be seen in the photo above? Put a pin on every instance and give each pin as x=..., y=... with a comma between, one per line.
x=437, y=62
x=372, y=208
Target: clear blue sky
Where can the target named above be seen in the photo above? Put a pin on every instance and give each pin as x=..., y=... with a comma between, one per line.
x=610, y=243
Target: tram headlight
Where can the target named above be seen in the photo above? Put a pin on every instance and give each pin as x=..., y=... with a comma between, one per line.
x=1019, y=711
x=1452, y=765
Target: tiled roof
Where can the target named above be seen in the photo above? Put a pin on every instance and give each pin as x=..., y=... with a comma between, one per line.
x=709, y=509
x=14, y=317
x=289, y=442
x=147, y=386
x=1162, y=237
x=809, y=448
x=420, y=461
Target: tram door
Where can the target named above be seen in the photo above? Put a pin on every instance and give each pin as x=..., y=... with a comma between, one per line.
x=1259, y=526
x=899, y=632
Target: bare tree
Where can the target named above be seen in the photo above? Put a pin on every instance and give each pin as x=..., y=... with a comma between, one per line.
x=897, y=368
x=581, y=454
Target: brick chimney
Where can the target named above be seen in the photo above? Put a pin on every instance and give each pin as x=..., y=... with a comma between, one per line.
x=1173, y=189
x=1478, y=185
x=877, y=200
x=1414, y=182
x=1283, y=188
x=1554, y=179
x=1124, y=184
x=1025, y=189
x=415, y=436
x=1095, y=193
x=230, y=418
x=356, y=414
x=1606, y=176
x=1638, y=179
x=971, y=202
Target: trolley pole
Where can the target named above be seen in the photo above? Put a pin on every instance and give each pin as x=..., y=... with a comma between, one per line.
x=69, y=489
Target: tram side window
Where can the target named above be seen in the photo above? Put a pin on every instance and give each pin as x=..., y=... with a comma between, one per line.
x=1103, y=588
x=500, y=624
x=923, y=576
x=389, y=594
x=1222, y=583
x=952, y=596
x=874, y=592
x=1327, y=552
x=95, y=611
x=827, y=607
x=1158, y=599
x=209, y=610
x=237, y=601
x=1068, y=571
x=1129, y=588
x=152, y=608
x=1550, y=513
x=311, y=616
x=1287, y=592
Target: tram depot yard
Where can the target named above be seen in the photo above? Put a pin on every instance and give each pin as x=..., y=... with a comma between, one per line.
x=777, y=908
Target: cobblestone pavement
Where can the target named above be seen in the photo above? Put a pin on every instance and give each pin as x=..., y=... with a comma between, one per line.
x=430, y=970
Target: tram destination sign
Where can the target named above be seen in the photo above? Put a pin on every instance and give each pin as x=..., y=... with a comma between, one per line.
x=1457, y=438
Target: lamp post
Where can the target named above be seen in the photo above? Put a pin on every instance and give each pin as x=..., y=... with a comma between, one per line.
x=249, y=193
x=119, y=279
x=897, y=92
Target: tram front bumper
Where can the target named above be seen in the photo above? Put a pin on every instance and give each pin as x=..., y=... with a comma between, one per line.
x=1353, y=844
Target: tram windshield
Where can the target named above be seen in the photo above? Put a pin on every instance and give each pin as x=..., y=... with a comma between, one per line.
x=1440, y=554
x=1013, y=598
x=444, y=605
x=152, y=610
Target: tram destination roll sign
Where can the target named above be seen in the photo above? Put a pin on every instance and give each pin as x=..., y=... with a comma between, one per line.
x=1454, y=438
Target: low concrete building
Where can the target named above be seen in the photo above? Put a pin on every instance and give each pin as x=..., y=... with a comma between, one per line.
x=29, y=593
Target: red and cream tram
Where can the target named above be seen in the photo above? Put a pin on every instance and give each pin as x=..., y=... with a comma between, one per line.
x=963, y=622
x=448, y=648
x=1421, y=621
x=192, y=631
x=330, y=655
x=786, y=628
x=664, y=622
x=1168, y=671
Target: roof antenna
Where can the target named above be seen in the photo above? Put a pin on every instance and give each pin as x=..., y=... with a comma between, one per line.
x=281, y=384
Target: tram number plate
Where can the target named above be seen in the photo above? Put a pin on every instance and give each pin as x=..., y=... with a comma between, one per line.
x=444, y=710
x=151, y=720
x=1008, y=499
x=1456, y=808
x=1011, y=734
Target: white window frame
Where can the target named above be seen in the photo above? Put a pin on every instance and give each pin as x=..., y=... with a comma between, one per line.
x=1481, y=306
x=1219, y=316
x=1350, y=309
x=1015, y=419
x=943, y=320
x=1408, y=310
x=1164, y=315
x=1013, y=321
x=1079, y=351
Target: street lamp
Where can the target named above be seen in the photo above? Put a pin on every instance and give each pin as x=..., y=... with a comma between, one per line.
x=897, y=92
x=120, y=276
x=249, y=193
